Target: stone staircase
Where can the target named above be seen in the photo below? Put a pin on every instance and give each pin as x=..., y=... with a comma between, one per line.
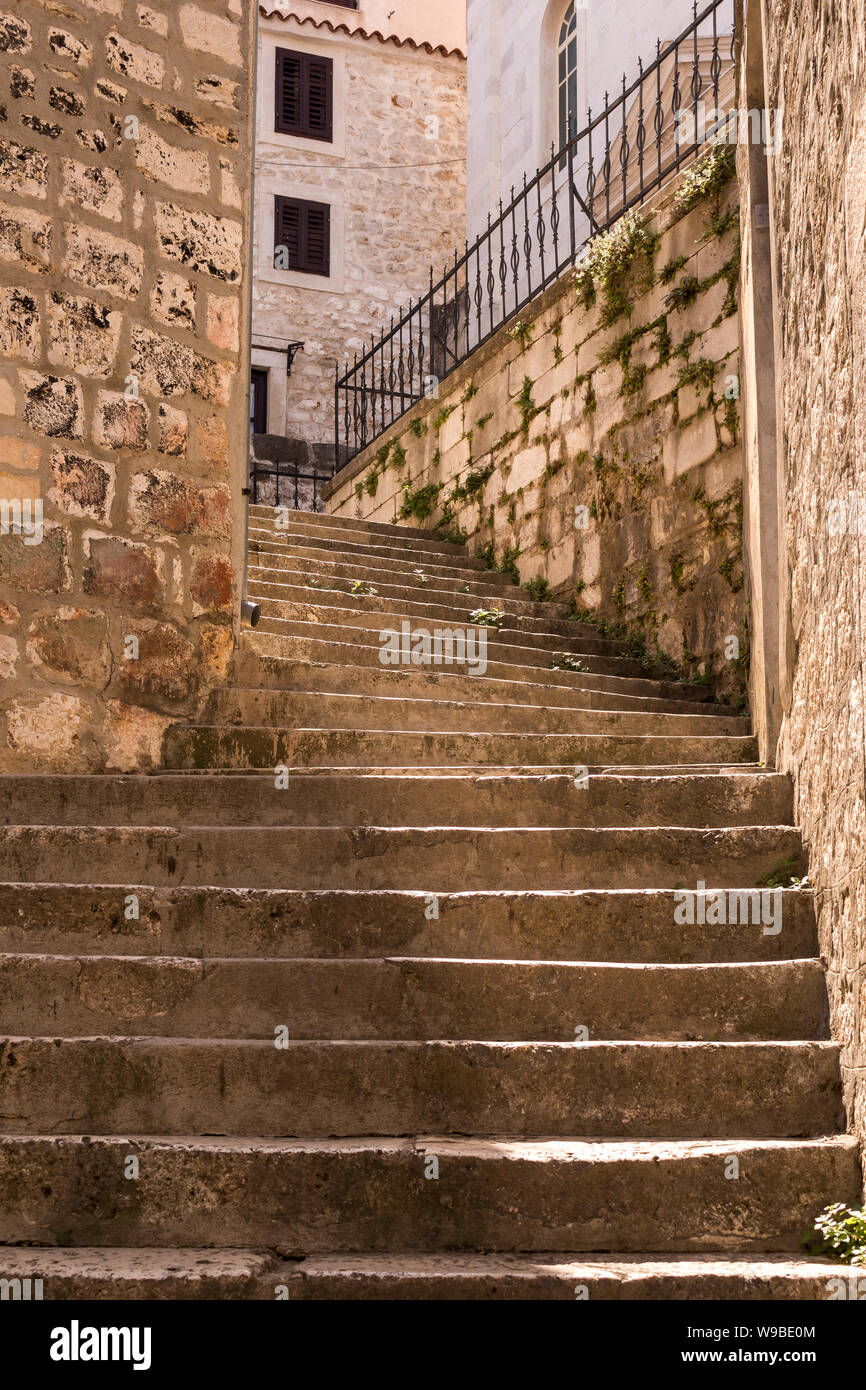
x=507, y=1070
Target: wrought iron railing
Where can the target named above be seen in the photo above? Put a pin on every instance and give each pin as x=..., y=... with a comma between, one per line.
x=288, y=485
x=621, y=156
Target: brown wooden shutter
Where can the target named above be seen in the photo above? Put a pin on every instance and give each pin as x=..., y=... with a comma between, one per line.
x=318, y=239
x=304, y=95
x=287, y=228
x=304, y=227
x=288, y=90
x=320, y=98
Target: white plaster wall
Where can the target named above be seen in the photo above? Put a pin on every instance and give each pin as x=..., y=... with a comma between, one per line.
x=512, y=84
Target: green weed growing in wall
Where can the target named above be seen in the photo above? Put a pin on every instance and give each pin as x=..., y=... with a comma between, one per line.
x=707, y=178
x=618, y=266
x=421, y=503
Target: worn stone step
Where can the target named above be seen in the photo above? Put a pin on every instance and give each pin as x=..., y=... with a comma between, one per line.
x=253, y=668
x=173, y=1273
x=352, y=649
x=404, y=998
x=336, y=710
x=325, y=521
x=332, y=576
x=106, y=1273
x=711, y=1277
x=300, y=540
x=349, y=643
x=586, y=924
x=676, y=1090
x=347, y=531
x=301, y=530
x=278, y=554
x=308, y=1197
x=360, y=798
x=433, y=860
x=336, y=605
x=212, y=746
x=534, y=648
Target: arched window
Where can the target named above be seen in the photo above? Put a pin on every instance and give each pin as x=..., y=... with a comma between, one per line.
x=567, y=58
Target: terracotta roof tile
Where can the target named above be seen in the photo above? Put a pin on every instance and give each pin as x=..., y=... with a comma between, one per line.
x=277, y=12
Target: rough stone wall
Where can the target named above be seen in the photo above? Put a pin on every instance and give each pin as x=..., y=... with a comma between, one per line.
x=124, y=152
x=816, y=65
x=395, y=177
x=594, y=451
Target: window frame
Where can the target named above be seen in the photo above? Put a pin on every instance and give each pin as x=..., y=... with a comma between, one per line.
x=304, y=266
x=566, y=76
x=306, y=62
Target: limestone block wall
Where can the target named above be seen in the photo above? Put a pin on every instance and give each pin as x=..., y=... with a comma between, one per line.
x=816, y=66
x=125, y=148
x=394, y=177
x=592, y=447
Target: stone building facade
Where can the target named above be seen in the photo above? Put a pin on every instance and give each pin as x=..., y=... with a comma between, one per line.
x=384, y=176
x=125, y=154
x=520, y=53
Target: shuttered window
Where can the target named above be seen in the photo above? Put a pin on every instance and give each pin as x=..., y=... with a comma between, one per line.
x=304, y=229
x=304, y=95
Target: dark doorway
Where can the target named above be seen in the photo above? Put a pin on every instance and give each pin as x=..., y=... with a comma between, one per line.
x=258, y=401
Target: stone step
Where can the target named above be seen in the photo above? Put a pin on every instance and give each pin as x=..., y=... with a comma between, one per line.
x=308, y=603
x=619, y=926
x=432, y=860
x=349, y=643
x=404, y=999
x=309, y=555
x=330, y=576
x=299, y=530
x=647, y=1090
x=689, y=1278
x=105, y=1273
x=324, y=521
x=346, y=531
x=246, y=747
x=299, y=539
x=518, y=684
x=368, y=1195
x=360, y=798
x=253, y=708
x=100, y=1273
x=533, y=648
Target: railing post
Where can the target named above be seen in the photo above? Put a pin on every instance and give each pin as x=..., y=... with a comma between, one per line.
x=572, y=221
